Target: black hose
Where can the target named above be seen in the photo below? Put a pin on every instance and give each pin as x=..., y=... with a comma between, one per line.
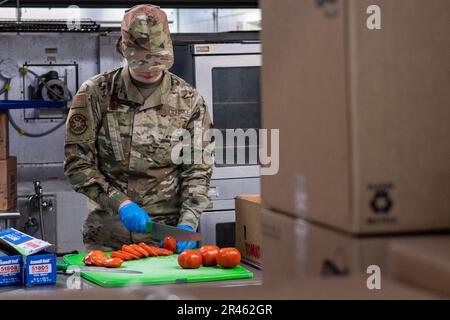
x=34, y=135
x=29, y=134
x=7, y=84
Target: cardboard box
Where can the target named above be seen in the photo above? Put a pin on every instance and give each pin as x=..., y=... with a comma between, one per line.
x=8, y=183
x=248, y=228
x=424, y=263
x=353, y=287
x=23, y=262
x=363, y=114
x=295, y=248
x=4, y=135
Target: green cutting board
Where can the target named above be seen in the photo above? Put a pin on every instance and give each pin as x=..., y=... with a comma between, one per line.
x=156, y=270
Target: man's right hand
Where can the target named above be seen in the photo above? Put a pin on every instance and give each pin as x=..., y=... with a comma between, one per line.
x=133, y=217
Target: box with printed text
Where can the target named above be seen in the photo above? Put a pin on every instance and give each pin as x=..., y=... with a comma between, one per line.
x=23, y=260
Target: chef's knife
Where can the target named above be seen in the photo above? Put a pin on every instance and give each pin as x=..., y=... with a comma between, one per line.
x=160, y=231
x=69, y=269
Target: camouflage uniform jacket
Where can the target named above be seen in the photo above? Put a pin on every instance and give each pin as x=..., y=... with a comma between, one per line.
x=118, y=146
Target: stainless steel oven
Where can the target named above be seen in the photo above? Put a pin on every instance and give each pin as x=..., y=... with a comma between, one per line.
x=228, y=77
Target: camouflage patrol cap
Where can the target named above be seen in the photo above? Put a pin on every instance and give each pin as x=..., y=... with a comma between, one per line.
x=146, y=42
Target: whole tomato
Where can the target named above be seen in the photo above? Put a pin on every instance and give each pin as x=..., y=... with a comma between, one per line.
x=190, y=259
x=228, y=257
x=209, y=255
x=170, y=243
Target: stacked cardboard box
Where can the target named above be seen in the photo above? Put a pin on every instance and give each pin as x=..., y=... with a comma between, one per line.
x=359, y=92
x=313, y=288
x=4, y=135
x=248, y=228
x=422, y=262
x=8, y=183
x=8, y=168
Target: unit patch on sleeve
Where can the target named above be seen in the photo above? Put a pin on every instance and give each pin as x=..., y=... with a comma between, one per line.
x=78, y=124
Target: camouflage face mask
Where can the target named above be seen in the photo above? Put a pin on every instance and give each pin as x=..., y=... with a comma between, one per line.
x=145, y=40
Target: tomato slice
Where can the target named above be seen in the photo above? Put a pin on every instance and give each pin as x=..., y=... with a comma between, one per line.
x=87, y=260
x=140, y=250
x=98, y=261
x=151, y=251
x=113, y=262
x=121, y=255
x=132, y=251
x=95, y=257
x=162, y=251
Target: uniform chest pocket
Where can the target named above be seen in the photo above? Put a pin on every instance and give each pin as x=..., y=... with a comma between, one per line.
x=113, y=136
x=155, y=135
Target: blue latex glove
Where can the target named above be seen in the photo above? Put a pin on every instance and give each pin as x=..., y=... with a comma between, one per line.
x=183, y=245
x=134, y=217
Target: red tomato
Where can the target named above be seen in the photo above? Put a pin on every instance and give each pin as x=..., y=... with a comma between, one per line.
x=190, y=259
x=170, y=243
x=151, y=250
x=113, y=262
x=147, y=248
x=87, y=261
x=121, y=255
x=209, y=255
x=228, y=257
x=98, y=261
x=132, y=251
x=95, y=257
x=140, y=250
x=162, y=251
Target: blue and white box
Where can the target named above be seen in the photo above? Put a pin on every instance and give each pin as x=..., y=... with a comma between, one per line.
x=22, y=260
x=10, y=269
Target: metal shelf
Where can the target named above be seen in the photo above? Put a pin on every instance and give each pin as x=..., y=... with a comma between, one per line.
x=30, y=104
x=46, y=26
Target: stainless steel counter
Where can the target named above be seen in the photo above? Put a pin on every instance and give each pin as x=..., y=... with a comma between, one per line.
x=74, y=287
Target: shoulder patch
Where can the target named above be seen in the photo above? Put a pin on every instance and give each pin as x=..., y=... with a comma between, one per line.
x=79, y=101
x=78, y=124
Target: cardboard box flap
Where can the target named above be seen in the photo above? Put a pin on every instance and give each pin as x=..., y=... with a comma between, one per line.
x=18, y=242
x=250, y=197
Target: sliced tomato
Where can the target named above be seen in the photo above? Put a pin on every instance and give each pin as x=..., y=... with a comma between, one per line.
x=121, y=255
x=131, y=250
x=87, y=260
x=98, y=261
x=95, y=257
x=140, y=250
x=113, y=262
x=163, y=252
x=129, y=256
x=151, y=251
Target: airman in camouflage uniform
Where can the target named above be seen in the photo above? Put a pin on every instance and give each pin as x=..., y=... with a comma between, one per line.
x=118, y=144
